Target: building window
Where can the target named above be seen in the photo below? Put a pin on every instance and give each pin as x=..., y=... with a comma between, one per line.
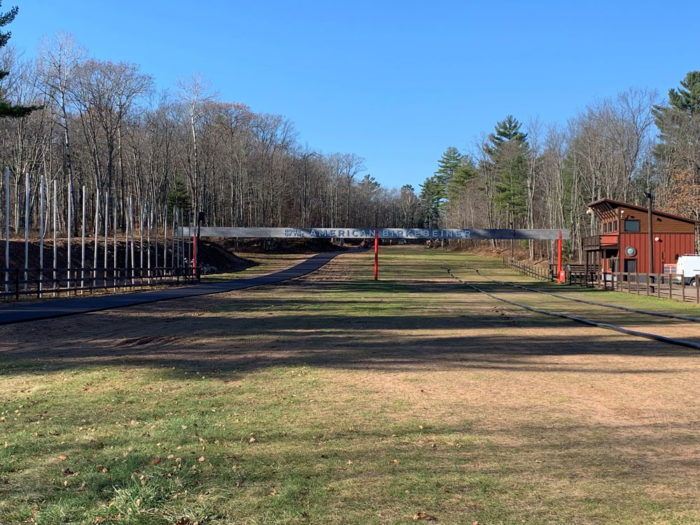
x=631, y=225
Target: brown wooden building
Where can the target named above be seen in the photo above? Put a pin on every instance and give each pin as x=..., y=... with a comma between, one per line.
x=623, y=243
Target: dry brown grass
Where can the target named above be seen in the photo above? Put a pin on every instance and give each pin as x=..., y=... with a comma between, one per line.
x=489, y=411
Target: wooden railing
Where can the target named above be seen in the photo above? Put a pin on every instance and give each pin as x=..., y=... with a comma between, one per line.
x=17, y=283
x=537, y=272
x=671, y=286
x=591, y=242
x=575, y=273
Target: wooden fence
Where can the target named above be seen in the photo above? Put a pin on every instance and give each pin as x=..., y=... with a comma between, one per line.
x=18, y=283
x=670, y=286
x=547, y=274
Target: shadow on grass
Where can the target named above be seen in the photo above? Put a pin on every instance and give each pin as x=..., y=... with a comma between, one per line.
x=340, y=347
x=350, y=325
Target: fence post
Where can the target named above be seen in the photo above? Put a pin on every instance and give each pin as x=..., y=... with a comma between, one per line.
x=82, y=246
x=69, y=233
x=41, y=235
x=106, y=240
x=148, y=231
x=26, y=231
x=7, y=229
x=115, y=272
x=96, y=244
x=131, y=228
x=55, y=248
x=682, y=288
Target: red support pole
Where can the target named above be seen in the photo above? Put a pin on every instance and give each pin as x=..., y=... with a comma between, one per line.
x=561, y=276
x=376, y=254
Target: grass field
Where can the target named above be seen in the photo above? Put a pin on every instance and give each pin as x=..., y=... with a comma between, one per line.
x=337, y=399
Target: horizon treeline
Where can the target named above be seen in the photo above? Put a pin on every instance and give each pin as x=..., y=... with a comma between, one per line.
x=100, y=124
x=530, y=176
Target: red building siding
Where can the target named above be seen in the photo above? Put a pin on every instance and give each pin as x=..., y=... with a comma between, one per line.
x=666, y=250
x=675, y=236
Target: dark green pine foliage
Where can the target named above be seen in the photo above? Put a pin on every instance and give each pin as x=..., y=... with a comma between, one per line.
x=459, y=182
x=432, y=197
x=434, y=190
x=675, y=119
x=508, y=151
x=448, y=165
x=7, y=109
x=687, y=98
x=179, y=197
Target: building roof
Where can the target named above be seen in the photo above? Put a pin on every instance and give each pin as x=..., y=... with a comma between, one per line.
x=610, y=204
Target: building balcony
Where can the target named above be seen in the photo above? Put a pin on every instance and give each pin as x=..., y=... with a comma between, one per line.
x=596, y=242
x=591, y=243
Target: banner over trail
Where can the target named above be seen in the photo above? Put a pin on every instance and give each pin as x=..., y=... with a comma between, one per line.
x=366, y=233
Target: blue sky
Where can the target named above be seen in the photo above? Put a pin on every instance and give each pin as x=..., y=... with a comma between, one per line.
x=395, y=82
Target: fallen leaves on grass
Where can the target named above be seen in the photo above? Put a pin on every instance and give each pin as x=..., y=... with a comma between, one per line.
x=186, y=521
x=424, y=516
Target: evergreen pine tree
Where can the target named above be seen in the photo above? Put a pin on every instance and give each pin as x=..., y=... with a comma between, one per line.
x=507, y=151
x=677, y=153
x=687, y=98
x=7, y=109
x=464, y=174
x=676, y=120
x=448, y=165
x=179, y=197
x=435, y=189
x=432, y=196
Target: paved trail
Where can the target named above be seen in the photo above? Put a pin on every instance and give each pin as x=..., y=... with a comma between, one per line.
x=19, y=312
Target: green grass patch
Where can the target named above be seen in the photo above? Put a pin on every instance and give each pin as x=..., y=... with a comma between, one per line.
x=350, y=401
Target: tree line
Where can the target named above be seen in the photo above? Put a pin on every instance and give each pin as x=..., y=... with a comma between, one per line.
x=80, y=121
x=533, y=177
x=100, y=124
